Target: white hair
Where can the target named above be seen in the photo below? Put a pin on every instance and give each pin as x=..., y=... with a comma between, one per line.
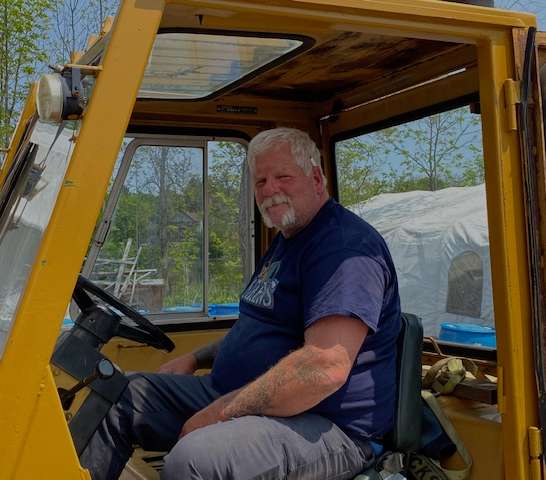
x=304, y=150
x=289, y=217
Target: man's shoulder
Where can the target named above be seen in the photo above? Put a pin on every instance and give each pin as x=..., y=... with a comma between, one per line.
x=345, y=229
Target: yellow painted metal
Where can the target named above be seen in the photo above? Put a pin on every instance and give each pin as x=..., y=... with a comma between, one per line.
x=135, y=357
x=66, y=240
x=500, y=390
x=480, y=430
x=59, y=259
x=535, y=453
x=511, y=99
x=469, y=14
x=48, y=447
x=419, y=19
x=26, y=114
x=535, y=469
x=509, y=268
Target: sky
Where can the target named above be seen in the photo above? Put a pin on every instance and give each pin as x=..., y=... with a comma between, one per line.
x=538, y=7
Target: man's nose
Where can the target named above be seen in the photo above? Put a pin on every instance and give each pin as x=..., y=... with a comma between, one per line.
x=270, y=187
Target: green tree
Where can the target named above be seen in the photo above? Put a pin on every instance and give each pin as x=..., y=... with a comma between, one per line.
x=360, y=172
x=444, y=149
x=23, y=27
x=435, y=152
x=228, y=237
x=73, y=21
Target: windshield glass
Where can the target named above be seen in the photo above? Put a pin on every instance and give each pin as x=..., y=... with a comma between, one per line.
x=26, y=213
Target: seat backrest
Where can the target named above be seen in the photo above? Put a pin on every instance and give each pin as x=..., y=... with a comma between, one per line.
x=406, y=434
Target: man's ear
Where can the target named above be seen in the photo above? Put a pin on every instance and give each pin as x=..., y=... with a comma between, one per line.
x=318, y=179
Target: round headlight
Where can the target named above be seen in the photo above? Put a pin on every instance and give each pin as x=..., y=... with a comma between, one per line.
x=50, y=98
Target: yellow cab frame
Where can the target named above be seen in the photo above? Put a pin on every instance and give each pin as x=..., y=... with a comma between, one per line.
x=473, y=52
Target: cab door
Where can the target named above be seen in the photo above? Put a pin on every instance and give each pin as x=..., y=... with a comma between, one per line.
x=175, y=239
x=529, y=95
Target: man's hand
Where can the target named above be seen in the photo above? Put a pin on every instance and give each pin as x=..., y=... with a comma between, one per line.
x=184, y=365
x=210, y=415
x=190, y=362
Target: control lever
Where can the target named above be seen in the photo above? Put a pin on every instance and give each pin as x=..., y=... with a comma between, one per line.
x=103, y=370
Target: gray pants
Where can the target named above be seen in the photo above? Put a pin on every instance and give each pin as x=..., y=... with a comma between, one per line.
x=154, y=407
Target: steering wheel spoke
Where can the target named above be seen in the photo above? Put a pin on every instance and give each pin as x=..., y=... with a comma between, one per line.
x=83, y=300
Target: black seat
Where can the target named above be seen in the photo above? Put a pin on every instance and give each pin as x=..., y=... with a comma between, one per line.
x=406, y=434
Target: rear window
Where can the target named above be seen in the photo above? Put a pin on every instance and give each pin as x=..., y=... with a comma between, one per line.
x=421, y=184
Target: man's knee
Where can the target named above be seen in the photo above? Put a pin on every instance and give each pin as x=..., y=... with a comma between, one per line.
x=236, y=449
x=194, y=457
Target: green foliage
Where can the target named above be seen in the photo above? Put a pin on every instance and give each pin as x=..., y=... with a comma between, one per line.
x=23, y=26
x=225, y=255
x=161, y=210
x=359, y=170
x=439, y=151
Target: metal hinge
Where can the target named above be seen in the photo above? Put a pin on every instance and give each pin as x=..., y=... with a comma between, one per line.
x=102, y=232
x=512, y=97
x=535, y=453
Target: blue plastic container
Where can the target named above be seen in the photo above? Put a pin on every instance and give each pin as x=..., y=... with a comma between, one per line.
x=468, y=333
x=182, y=309
x=223, y=309
x=215, y=309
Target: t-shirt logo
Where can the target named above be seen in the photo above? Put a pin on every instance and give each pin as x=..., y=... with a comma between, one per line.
x=262, y=288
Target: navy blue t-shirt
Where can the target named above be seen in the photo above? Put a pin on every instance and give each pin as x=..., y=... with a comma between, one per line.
x=336, y=265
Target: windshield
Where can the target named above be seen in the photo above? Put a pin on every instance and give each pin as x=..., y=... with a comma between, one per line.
x=26, y=209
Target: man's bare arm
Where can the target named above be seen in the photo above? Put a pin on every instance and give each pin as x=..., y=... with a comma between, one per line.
x=305, y=377
x=190, y=362
x=205, y=356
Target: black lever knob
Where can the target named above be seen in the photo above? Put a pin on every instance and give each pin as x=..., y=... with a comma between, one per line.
x=104, y=369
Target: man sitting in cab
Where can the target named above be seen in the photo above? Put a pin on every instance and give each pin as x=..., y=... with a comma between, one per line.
x=305, y=377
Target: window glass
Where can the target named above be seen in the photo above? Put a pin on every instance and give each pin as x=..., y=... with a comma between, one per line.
x=229, y=240
x=195, y=65
x=421, y=185
x=27, y=199
x=154, y=256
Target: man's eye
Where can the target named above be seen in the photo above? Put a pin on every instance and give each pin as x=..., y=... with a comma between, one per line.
x=285, y=177
x=260, y=183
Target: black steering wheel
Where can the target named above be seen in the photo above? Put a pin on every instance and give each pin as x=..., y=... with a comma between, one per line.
x=144, y=331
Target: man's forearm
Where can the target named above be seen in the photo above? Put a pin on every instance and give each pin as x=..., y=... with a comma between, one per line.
x=297, y=383
x=204, y=357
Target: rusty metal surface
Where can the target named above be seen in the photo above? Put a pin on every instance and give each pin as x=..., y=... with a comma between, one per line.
x=351, y=60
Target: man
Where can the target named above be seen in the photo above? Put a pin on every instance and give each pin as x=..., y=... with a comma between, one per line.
x=305, y=376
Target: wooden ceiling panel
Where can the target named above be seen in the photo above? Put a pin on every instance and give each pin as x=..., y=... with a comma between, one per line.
x=352, y=60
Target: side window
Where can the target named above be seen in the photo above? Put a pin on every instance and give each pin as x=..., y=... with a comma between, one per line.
x=230, y=264
x=177, y=228
x=465, y=285
x=421, y=185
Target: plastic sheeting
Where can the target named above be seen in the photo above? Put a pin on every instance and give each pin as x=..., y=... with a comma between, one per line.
x=426, y=232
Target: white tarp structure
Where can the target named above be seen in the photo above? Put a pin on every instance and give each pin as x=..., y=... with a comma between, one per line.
x=440, y=246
